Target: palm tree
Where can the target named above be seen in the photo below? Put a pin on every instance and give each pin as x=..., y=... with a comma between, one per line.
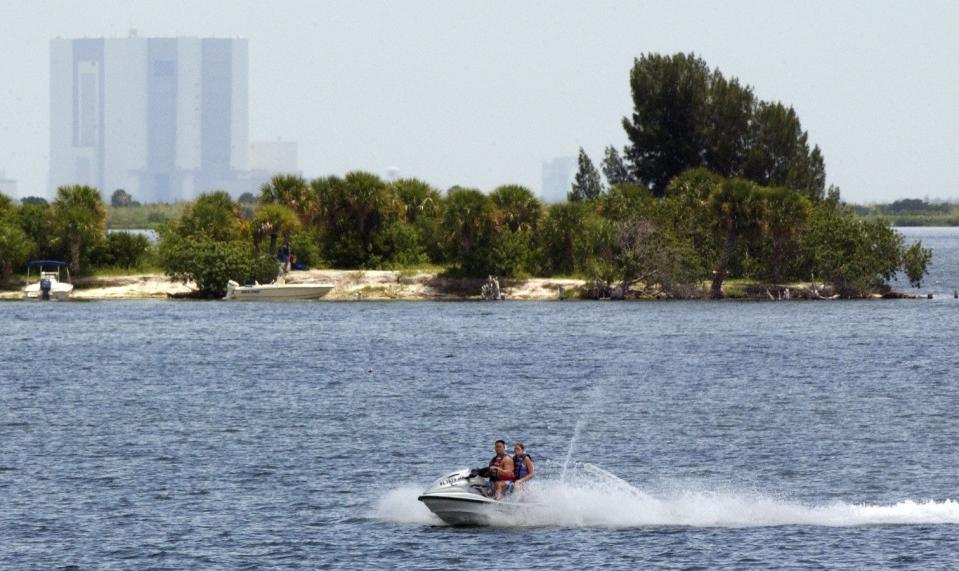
x=517, y=207
x=273, y=220
x=735, y=207
x=293, y=192
x=784, y=213
x=80, y=219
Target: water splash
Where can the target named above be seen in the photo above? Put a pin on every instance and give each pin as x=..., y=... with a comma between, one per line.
x=592, y=497
x=580, y=424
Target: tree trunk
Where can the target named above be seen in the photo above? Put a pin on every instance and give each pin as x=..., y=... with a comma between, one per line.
x=729, y=244
x=777, y=258
x=5, y=270
x=273, y=244
x=75, y=256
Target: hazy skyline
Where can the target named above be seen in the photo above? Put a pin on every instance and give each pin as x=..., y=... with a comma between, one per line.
x=480, y=94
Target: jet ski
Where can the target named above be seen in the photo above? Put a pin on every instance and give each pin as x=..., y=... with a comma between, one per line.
x=464, y=498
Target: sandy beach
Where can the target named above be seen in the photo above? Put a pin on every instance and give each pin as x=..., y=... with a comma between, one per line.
x=348, y=285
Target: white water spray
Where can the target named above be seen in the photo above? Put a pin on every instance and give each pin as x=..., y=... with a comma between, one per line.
x=592, y=497
x=572, y=445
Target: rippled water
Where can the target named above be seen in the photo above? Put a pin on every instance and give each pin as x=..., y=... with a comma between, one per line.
x=763, y=435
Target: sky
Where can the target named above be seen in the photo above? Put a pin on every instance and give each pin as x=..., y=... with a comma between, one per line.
x=481, y=93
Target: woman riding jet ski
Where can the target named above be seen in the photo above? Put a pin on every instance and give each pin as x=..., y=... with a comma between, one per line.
x=474, y=496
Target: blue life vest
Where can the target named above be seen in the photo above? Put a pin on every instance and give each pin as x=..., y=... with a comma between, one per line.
x=519, y=465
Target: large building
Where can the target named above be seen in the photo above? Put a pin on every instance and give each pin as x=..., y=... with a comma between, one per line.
x=162, y=118
x=558, y=175
x=8, y=186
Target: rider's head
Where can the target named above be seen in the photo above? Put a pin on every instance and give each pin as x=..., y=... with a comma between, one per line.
x=500, y=446
x=519, y=447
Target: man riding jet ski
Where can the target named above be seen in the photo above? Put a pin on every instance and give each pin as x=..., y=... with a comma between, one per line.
x=473, y=496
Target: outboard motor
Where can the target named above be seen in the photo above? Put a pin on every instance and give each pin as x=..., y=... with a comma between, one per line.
x=45, y=289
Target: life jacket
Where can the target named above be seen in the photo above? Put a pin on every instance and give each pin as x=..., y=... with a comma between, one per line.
x=519, y=465
x=497, y=462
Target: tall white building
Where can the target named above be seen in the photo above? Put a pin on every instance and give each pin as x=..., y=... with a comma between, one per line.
x=162, y=118
x=558, y=175
x=8, y=186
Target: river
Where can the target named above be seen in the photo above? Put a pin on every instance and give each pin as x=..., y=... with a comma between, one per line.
x=155, y=434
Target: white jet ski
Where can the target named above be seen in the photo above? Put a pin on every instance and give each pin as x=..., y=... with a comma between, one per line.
x=463, y=498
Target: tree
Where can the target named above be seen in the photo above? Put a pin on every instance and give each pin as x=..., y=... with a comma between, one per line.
x=210, y=264
x=355, y=211
x=419, y=199
x=560, y=229
x=614, y=169
x=79, y=219
x=468, y=220
x=915, y=262
x=729, y=111
x=247, y=198
x=779, y=155
x=35, y=220
x=784, y=214
x=121, y=250
x=666, y=130
x=686, y=116
x=649, y=252
x=293, y=192
x=422, y=208
x=857, y=256
x=735, y=207
x=213, y=215
x=15, y=246
x=273, y=220
x=33, y=200
x=587, y=185
x=120, y=199
x=517, y=208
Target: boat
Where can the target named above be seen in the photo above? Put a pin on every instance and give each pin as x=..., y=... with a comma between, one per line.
x=275, y=291
x=50, y=283
x=462, y=499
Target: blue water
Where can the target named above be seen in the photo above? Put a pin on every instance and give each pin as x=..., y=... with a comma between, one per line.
x=712, y=434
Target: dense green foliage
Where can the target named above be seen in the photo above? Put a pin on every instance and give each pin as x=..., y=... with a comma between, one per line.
x=79, y=220
x=138, y=216
x=212, y=243
x=210, y=264
x=714, y=184
x=912, y=212
x=687, y=116
x=121, y=250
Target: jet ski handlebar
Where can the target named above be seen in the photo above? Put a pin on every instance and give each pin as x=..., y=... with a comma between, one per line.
x=481, y=472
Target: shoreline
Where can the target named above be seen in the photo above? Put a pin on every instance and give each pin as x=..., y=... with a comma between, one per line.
x=372, y=285
x=411, y=285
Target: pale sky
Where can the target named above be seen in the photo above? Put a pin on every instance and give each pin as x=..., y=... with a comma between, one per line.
x=480, y=93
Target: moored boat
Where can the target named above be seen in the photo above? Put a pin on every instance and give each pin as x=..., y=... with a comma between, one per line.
x=237, y=292
x=50, y=284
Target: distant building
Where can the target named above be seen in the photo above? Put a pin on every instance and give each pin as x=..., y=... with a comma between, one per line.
x=558, y=175
x=271, y=158
x=274, y=157
x=162, y=118
x=8, y=186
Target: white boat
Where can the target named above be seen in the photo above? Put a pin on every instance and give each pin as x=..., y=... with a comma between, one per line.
x=274, y=291
x=50, y=283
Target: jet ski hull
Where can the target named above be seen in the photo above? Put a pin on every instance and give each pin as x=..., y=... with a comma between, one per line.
x=460, y=511
x=460, y=499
